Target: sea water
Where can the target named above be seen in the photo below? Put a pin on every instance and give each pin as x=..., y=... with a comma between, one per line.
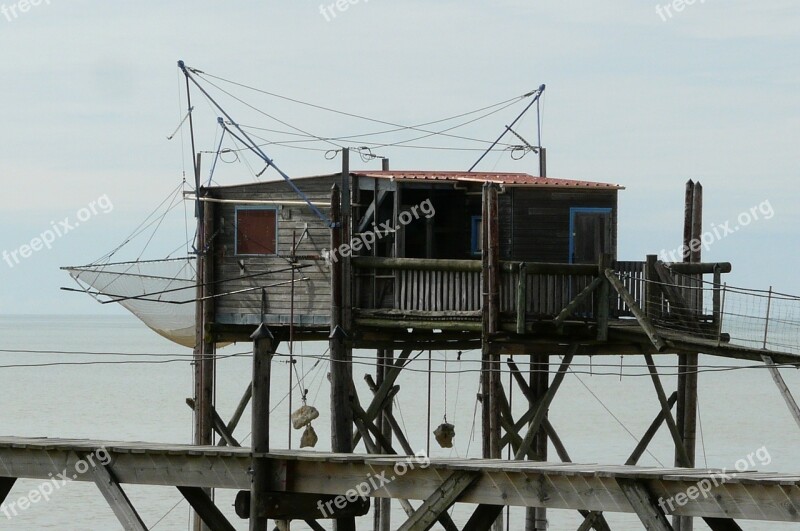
x=111, y=378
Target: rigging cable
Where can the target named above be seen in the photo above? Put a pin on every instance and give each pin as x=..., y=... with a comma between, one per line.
x=399, y=127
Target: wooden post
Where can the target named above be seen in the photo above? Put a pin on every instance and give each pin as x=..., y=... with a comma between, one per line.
x=603, y=299
x=522, y=300
x=652, y=292
x=383, y=507
x=347, y=237
x=263, y=350
x=688, y=362
x=688, y=218
x=491, y=376
x=542, y=162
x=717, y=298
x=493, y=263
x=485, y=355
x=536, y=518
x=204, y=344
x=341, y=381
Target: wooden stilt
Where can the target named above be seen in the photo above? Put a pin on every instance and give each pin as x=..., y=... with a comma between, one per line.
x=264, y=347
x=688, y=362
x=341, y=376
x=204, y=363
x=536, y=517
x=385, y=504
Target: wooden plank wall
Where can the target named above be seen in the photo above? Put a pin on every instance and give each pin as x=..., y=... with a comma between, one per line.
x=540, y=221
x=312, y=298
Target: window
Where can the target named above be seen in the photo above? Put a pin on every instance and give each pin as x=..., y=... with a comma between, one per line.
x=256, y=231
x=477, y=235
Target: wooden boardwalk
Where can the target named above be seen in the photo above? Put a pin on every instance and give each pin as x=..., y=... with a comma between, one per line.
x=717, y=494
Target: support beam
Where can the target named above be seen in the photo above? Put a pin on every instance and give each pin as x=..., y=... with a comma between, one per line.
x=666, y=409
x=644, y=322
x=644, y=442
x=437, y=503
x=205, y=509
x=722, y=524
x=379, y=400
x=541, y=410
x=570, y=308
x=360, y=416
x=369, y=215
x=597, y=520
x=783, y=388
x=112, y=491
x=237, y=414
x=483, y=517
x=644, y=504
x=6, y=484
x=390, y=419
x=444, y=518
x=314, y=525
x=219, y=425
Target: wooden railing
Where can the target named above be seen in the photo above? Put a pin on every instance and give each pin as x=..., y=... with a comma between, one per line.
x=528, y=292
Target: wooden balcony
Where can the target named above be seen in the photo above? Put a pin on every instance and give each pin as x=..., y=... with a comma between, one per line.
x=450, y=294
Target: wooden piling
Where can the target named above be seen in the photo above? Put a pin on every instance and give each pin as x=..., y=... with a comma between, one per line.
x=204, y=363
x=539, y=381
x=341, y=380
x=263, y=351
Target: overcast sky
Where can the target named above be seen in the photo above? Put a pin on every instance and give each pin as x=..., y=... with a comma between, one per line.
x=90, y=92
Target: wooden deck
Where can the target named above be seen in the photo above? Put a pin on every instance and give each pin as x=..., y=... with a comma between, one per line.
x=749, y=495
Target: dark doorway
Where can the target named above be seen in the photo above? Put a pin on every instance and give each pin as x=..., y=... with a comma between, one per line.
x=590, y=234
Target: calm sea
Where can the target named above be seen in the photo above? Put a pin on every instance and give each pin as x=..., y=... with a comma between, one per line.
x=124, y=397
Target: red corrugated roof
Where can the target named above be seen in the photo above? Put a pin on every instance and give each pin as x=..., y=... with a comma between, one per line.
x=514, y=179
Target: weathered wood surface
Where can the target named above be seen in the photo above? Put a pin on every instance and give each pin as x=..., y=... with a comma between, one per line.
x=748, y=495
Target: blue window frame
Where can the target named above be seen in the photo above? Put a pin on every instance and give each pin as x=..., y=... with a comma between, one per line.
x=476, y=244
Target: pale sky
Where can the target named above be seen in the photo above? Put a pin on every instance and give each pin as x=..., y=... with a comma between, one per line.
x=90, y=91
